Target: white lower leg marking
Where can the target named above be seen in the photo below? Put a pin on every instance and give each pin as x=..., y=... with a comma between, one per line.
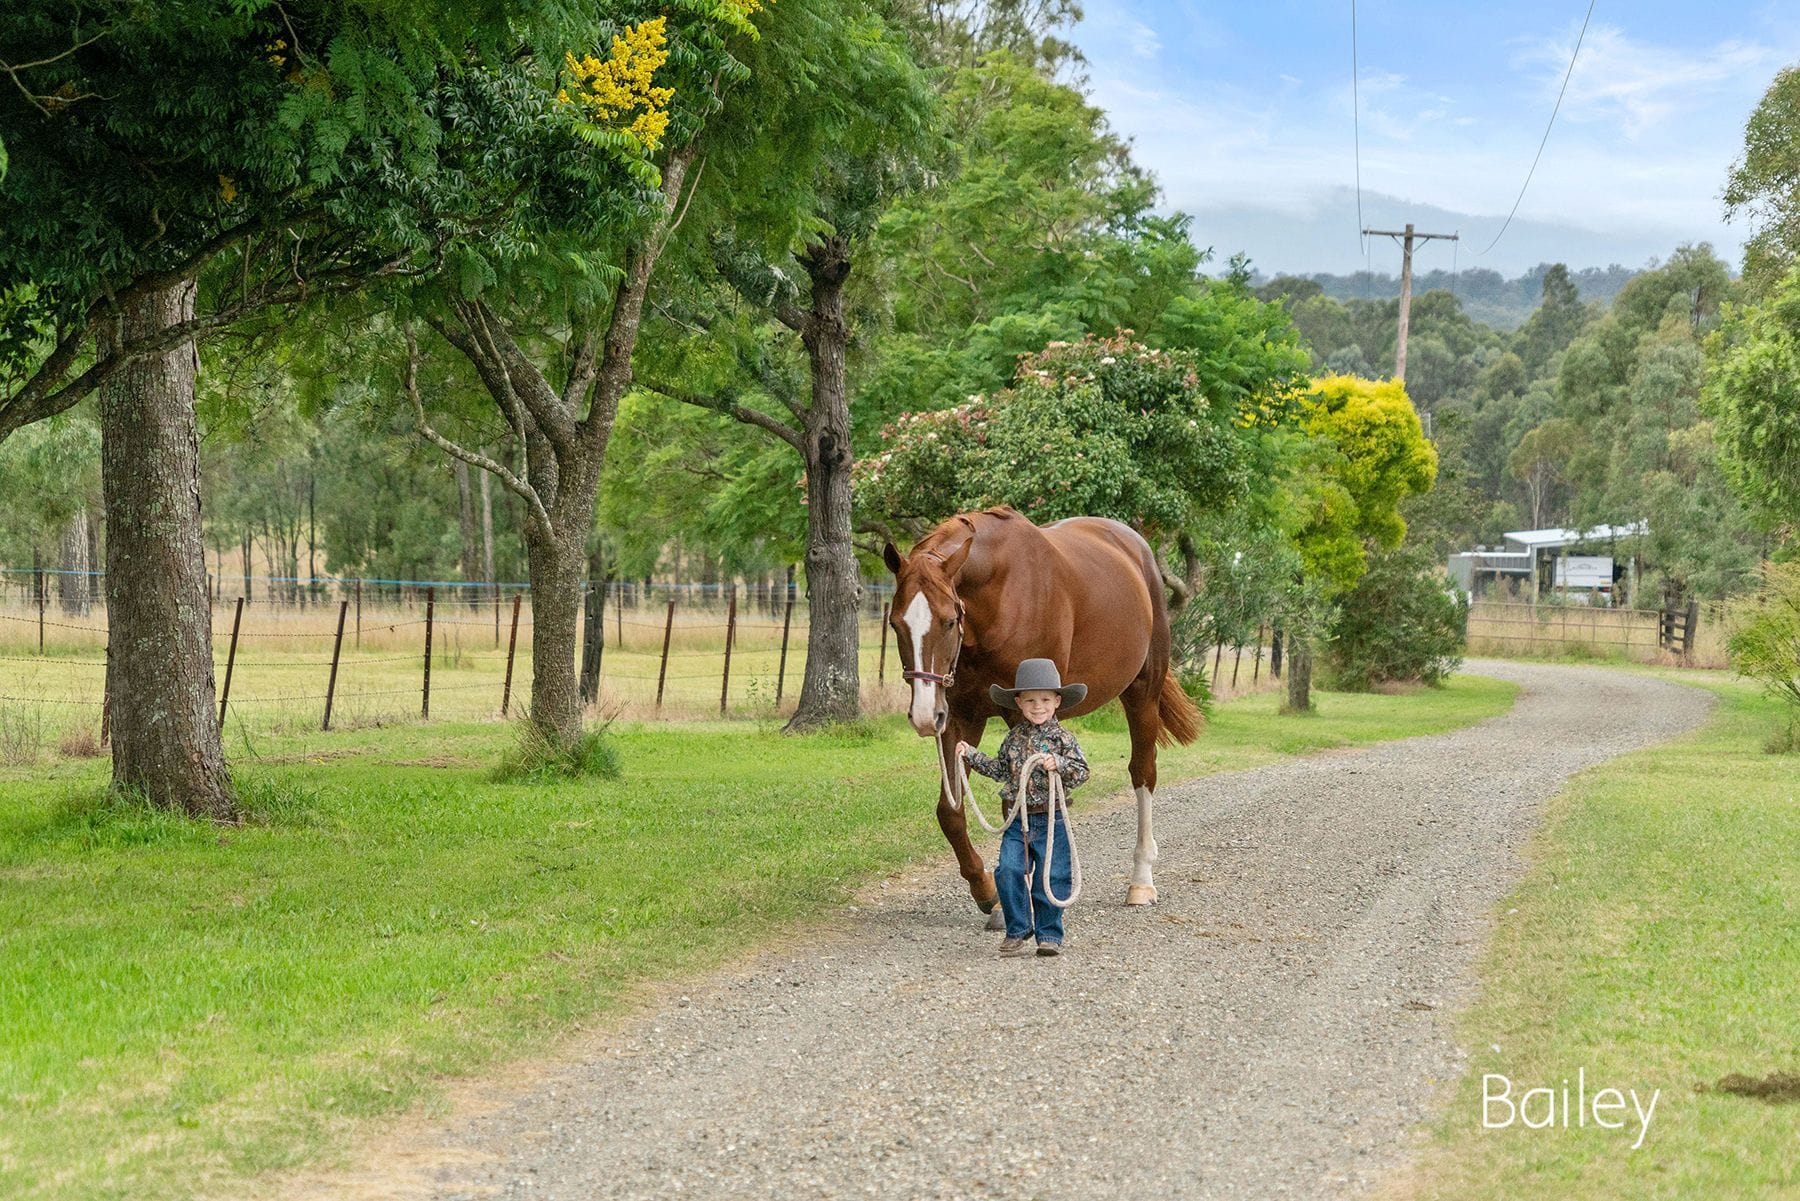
x=1145, y=857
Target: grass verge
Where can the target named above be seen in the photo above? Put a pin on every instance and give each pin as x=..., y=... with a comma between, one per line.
x=185, y=1006
x=1654, y=944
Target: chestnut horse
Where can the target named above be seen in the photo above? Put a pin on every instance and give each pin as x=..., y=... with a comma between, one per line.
x=983, y=591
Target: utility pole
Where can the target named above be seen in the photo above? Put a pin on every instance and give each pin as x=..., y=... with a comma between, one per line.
x=1406, y=238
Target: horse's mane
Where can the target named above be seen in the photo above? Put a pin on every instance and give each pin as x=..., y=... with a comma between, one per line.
x=953, y=527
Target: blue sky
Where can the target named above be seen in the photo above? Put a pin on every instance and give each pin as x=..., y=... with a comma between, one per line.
x=1243, y=111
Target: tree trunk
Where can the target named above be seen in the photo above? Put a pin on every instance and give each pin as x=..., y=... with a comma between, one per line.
x=93, y=556
x=565, y=450
x=72, y=584
x=1299, y=677
x=556, y=564
x=466, y=561
x=831, y=690
x=487, y=528
x=159, y=672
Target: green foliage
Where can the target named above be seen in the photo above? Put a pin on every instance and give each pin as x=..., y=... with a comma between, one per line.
x=1103, y=427
x=1365, y=453
x=1761, y=185
x=1400, y=623
x=1767, y=646
x=48, y=473
x=1753, y=393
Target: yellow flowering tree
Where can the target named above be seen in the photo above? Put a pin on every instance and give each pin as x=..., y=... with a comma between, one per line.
x=1364, y=453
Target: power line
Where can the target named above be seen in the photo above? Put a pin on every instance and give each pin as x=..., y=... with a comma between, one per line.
x=1546, y=138
x=1356, y=126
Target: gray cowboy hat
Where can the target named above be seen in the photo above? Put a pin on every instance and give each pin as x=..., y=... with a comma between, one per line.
x=1036, y=675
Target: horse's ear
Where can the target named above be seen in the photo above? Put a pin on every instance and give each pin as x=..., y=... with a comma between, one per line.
x=955, y=559
x=892, y=558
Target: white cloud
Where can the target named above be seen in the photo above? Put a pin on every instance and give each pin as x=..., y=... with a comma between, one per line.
x=1143, y=40
x=1637, y=85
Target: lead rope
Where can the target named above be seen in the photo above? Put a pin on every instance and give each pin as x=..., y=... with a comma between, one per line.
x=956, y=787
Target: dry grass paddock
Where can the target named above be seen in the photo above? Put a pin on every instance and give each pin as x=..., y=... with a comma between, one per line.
x=51, y=700
x=1516, y=629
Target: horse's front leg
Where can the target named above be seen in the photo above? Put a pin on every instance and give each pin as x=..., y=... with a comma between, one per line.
x=953, y=819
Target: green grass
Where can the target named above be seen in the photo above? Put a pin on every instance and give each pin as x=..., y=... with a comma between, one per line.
x=1655, y=943
x=183, y=1006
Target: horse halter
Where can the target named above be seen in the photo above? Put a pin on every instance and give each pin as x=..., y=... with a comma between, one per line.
x=947, y=678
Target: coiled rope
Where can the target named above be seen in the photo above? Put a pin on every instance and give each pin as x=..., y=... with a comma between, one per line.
x=956, y=787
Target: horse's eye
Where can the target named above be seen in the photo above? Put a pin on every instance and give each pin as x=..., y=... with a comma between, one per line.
x=949, y=623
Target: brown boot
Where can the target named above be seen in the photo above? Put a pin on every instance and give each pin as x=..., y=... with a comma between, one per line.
x=1013, y=947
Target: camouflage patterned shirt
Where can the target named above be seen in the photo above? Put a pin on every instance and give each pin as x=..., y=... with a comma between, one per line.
x=1022, y=742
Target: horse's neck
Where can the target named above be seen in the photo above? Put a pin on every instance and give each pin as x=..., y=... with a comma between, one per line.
x=1002, y=560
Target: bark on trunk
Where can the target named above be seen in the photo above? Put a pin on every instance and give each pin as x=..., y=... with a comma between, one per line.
x=487, y=527
x=159, y=673
x=556, y=565
x=72, y=584
x=1299, y=677
x=831, y=690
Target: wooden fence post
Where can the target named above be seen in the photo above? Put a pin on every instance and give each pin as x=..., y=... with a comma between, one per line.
x=512, y=644
x=730, y=637
x=662, y=673
x=337, y=648
x=430, y=605
x=881, y=664
x=1688, y=626
x=230, y=661
x=42, y=595
x=359, y=613
x=787, y=621
x=496, y=616
x=619, y=613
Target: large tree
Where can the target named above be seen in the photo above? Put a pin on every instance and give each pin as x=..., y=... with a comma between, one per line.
x=1753, y=393
x=1365, y=452
x=173, y=170
x=848, y=136
x=1764, y=185
x=550, y=322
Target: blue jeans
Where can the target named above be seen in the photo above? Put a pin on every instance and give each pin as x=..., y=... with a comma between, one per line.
x=1024, y=908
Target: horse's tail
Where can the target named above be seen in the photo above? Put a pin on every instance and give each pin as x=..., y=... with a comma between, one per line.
x=1180, y=719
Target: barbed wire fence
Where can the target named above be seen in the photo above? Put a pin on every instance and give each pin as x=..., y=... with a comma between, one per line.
x=329, y=652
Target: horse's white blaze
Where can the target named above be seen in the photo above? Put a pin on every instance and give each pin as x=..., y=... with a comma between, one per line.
x=924, y=692
x=1145, y=857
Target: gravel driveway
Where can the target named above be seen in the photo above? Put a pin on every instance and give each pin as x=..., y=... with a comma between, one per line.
x=1272, y=1028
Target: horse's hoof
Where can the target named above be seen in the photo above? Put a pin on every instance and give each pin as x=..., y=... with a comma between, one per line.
x=996, y=920
x=986, y=895
x=1140, y=894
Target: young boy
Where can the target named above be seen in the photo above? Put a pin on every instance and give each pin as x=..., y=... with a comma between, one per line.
x=1037, y=693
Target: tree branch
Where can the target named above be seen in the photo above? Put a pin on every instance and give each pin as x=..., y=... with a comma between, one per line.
x=517, y=486
x=731, y=408
x=555, y=423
